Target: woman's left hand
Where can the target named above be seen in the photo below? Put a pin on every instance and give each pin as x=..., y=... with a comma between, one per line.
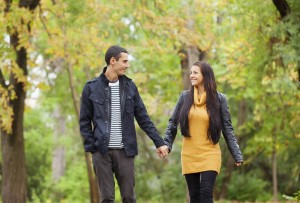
x=238, y=163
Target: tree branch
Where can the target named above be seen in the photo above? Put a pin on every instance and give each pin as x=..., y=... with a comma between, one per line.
x=43, y=22
x=283, y=7
x=72, y=88
x=2, y=80
x=31, y=4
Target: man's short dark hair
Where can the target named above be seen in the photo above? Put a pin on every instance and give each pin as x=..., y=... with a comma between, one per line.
x=114, y=51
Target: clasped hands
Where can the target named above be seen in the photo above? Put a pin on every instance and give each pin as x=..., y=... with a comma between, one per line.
x=162, y=151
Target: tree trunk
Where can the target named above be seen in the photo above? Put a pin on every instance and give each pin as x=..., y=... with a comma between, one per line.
x=13, y=153
x=58, y=160
x=94, y=190
x=189, y=54
x=57, y=65
x=226, y=179
x=298, y=67
x=75, y=97
x=12, y=145
x=188, y=57
x=274, y=169
x=284, y=9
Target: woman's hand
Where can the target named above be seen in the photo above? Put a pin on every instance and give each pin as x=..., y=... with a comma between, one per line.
x=162, y=151
x=238, y=163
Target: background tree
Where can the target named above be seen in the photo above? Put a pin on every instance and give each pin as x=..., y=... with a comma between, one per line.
x=13, y=93
x=253, y=50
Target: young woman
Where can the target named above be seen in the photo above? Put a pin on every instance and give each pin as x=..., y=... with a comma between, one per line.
x=202, y=113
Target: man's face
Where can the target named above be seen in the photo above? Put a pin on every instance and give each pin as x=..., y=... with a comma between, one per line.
x=120, y=66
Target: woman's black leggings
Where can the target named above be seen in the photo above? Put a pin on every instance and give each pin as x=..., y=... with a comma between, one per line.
x=201, y=186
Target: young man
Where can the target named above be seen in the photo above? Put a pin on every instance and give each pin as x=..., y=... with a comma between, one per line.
x=109, y=104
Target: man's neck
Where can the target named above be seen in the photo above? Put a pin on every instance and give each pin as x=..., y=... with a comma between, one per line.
x=110, y=75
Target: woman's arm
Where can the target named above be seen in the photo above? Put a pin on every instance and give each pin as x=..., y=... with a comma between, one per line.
x=228, y=131
x=171, y=130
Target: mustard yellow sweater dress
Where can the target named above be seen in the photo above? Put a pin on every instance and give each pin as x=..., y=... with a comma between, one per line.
x=198, y=153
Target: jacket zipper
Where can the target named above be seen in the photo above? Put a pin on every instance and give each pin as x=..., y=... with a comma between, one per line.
x=122, y=102
x=122, y=110
x=108, y=116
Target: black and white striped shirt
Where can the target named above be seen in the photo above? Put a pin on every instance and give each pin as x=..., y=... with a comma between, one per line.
x=116, y=125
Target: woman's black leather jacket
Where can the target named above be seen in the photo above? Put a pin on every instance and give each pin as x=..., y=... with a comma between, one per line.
x=227, y=128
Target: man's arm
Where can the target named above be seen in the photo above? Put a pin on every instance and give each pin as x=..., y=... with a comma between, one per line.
x=144, y=121
x=85, y=121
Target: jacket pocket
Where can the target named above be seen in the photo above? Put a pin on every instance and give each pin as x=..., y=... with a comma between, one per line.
x=98, y=106
x=129, y=105
x=96, y=100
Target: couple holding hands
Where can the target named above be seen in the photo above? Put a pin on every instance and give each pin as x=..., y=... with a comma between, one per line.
x=111, y=102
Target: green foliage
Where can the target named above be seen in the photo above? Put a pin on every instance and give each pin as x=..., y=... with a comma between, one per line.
x=255, y=56
x=38, y=148
x=295, y=197
x=248, y=187
x=73, y=186
x=165, y=184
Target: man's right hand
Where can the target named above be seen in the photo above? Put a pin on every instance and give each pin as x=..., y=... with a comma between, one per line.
x=162, y=151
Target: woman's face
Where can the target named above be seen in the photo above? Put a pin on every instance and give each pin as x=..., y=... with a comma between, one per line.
x=196, y=76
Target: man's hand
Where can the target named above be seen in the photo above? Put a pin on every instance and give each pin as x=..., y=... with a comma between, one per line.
x=238, y=163
x=162, y=151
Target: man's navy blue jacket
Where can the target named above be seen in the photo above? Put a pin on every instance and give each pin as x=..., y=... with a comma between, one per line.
x=95, y=116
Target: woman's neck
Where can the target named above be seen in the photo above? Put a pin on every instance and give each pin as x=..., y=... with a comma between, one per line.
x=200, y=89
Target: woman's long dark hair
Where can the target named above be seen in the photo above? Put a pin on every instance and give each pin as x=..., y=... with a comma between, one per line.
x=212, y=105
